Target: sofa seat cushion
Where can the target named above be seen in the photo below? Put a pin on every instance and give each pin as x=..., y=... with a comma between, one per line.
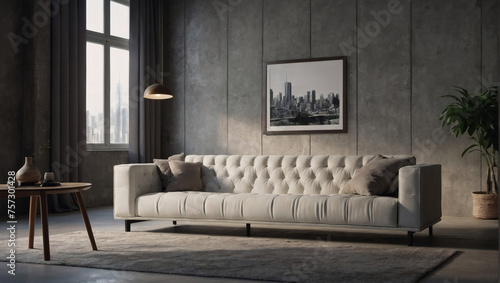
x=315, y=209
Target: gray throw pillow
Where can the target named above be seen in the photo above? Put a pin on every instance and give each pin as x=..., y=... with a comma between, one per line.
x=186, y=176
x=164, y=168
x=374, y=178
x=393, y=188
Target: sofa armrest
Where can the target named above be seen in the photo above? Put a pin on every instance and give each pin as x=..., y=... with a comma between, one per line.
x=131, y=181
x=419, y=196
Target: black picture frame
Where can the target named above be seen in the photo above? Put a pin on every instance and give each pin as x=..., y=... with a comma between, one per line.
x=305, y=96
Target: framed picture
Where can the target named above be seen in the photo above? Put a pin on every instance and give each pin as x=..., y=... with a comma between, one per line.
x=305, y=96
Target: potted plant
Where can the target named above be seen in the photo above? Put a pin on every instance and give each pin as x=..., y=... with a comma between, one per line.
x=477, y=116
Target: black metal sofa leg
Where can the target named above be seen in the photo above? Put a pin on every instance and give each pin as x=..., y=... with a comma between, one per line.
x=410, y=238
x=128, y=222
x=410, y=235
x=248, y=229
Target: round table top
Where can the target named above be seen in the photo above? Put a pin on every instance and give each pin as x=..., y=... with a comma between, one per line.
x=64, y=187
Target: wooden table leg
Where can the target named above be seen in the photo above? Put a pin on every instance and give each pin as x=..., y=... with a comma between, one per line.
x=45, y=225
x=83, y=210
x=33, y=206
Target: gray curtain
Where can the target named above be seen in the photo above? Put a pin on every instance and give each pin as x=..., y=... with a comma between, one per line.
x=68, y=72
x=145, y=115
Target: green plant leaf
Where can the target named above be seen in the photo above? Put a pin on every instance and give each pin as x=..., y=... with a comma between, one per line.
x=468, y=149
x=476, y=116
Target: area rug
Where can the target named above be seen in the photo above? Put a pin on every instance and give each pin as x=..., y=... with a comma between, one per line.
x=270, y=259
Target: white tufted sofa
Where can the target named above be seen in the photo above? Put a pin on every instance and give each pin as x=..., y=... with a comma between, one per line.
x=281, y=189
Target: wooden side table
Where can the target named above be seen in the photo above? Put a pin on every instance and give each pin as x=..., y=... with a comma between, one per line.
x=34, y=192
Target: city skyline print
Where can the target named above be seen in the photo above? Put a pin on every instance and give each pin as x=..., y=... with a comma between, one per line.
x=305, y=96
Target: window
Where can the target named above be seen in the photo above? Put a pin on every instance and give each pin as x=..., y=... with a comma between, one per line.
x=107, y=74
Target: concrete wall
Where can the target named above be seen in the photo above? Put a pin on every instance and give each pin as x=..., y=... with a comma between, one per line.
x=402, y=56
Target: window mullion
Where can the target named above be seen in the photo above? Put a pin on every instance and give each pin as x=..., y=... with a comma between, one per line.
x=107, y=102
x=107, y=18
x=124, y=2
x=107, y=91
x=119, y=42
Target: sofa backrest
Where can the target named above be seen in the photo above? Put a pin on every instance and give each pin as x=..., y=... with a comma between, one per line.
x=317, y=174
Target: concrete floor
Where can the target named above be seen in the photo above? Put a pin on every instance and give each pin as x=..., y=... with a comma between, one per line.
x=476, y=241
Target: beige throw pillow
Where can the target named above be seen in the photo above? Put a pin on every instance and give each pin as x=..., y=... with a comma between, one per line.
x=186, y=176
x=164, y=169
x=374, y=178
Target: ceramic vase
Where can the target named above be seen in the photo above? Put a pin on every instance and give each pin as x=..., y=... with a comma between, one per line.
x=28, y=174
